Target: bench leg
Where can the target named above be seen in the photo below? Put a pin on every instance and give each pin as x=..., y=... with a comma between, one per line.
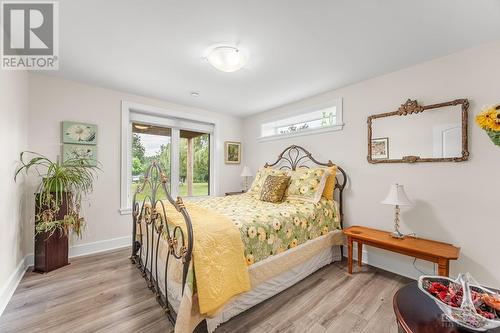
x=444, y=267
x=360, y=254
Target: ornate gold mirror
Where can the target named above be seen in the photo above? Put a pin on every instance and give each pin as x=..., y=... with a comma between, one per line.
x=420, y=133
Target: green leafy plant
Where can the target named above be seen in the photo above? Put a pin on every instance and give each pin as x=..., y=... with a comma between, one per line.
x=60, y=183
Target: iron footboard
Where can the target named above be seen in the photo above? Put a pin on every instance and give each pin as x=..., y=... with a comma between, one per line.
x=150, y=228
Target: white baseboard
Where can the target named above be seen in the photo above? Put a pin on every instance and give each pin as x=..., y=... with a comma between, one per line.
x=100, y=246
x=75, y=251
x=8, y=289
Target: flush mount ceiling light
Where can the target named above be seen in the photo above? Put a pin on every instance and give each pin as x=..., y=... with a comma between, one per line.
x=226, y=58
x=195, y=94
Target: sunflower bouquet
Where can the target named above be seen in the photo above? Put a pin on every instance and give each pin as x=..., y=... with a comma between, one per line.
x=489, y=120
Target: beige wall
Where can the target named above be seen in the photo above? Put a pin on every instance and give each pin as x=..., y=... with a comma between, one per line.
x=53, y=100
x=456, y=203
x=13, y=139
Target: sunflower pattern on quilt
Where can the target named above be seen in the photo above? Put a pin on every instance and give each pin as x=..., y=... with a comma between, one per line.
x=268, y=228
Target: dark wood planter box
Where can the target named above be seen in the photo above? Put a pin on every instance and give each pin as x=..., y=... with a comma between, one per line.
x=51, y=252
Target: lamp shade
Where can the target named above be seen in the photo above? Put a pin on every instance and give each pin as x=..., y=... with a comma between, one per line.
x=397, y=196
x=246, y=172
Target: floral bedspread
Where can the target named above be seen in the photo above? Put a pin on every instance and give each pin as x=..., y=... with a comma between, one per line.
x=268, y=228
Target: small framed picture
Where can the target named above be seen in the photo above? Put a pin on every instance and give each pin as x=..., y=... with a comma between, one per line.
x=232, y=152
x=380, y=148
x=79, y=133
x=72, y=151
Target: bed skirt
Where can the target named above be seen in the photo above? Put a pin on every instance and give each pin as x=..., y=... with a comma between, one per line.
x=274, y=286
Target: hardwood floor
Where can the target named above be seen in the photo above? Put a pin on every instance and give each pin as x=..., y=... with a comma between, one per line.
x=105, y=293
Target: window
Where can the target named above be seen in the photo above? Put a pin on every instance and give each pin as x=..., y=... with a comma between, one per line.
x=312, y=120
x=150, y=143
x=181, y=146
x=194, y=163
x=154, y=143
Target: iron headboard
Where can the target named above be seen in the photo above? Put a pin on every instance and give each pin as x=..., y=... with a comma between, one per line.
x=295, y=157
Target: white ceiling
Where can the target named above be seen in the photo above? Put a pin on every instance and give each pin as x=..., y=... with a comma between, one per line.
x=297, y=48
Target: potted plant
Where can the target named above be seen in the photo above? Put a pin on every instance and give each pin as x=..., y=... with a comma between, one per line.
x=489, y=120
x=57, y=205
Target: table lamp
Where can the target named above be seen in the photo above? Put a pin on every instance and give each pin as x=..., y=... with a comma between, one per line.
x=246, y=173
x=397, y=197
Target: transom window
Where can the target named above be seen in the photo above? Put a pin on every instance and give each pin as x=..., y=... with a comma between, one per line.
x=312, y=120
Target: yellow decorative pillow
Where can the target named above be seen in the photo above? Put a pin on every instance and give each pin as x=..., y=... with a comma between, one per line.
x=274, y=188
x=330, y=183
x=307, y=184
x=261, y=176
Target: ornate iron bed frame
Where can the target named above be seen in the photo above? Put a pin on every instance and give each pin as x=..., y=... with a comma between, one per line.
x=180, y=243
x=295, y=157
x=180, y=246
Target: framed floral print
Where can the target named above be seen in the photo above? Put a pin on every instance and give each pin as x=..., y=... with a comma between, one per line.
x=380, y=148
x=79, y=133
x=72, y=151
x=232, y=152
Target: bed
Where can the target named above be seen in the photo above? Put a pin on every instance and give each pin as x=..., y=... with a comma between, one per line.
x=209, y=260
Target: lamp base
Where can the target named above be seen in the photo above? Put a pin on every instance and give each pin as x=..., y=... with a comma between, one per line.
x=397, y=234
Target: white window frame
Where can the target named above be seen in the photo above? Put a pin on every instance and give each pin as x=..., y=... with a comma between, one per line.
x=159, y=116
x=338, y=103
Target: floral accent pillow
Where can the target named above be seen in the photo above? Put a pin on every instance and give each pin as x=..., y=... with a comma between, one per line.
x=260, y=178
x=307, y=184
x=274, y=188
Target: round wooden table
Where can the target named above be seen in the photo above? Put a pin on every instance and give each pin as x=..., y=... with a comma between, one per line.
x=417, y=313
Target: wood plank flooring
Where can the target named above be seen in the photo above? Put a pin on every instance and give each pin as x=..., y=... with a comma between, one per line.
x=105, y=293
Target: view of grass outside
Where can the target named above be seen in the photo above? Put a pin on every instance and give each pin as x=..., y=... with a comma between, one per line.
x=198, y=189
x=152, y=143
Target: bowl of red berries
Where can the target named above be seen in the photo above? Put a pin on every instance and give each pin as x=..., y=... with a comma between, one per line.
x=463, y=301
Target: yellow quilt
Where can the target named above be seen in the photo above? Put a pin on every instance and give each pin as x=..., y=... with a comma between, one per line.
x=218, y=256
x=267, y=229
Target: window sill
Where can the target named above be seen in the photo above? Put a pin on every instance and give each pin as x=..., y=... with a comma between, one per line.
x=333, y=128
x=125, y=211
